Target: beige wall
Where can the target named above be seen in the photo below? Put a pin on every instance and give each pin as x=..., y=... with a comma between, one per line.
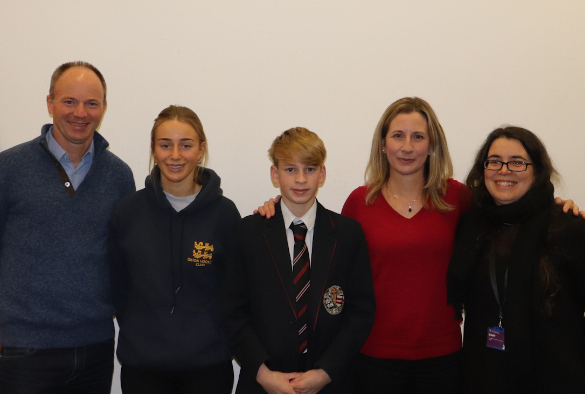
x=252, y=69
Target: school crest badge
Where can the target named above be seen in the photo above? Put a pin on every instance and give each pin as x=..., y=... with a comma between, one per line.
x=202, y=254
x=333, y=300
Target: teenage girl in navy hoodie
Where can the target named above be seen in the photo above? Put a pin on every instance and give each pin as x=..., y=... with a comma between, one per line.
x=170, y=243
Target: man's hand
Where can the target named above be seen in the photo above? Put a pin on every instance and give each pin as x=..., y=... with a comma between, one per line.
x=310, y=382
x=276, y=382
x=267, y=209
x=567, y=206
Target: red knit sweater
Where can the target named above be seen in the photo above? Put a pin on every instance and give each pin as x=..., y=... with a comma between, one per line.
x=409, y=259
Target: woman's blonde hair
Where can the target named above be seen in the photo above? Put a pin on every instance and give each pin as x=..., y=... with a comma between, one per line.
x=438, y=167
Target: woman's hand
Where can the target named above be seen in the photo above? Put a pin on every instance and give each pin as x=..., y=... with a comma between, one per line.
x=267, y=209
x=569, y=205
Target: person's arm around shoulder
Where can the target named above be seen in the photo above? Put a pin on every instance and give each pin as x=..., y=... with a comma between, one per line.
x=569, y=205
x=267, y=209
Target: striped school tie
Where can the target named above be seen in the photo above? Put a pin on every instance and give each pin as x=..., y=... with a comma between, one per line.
x=302, y=281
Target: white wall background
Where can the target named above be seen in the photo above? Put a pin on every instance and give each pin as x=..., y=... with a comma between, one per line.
x=251, y=69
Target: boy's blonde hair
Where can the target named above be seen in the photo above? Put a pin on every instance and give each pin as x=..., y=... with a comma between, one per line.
x=298, y=143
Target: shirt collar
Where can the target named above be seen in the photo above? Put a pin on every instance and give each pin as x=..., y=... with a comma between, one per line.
x=59, y=152
x=308, y=218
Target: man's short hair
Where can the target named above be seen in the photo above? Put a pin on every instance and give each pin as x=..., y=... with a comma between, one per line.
x=66, y=66
x=298, y=143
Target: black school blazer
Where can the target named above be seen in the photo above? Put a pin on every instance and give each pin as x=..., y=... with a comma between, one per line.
x=261, y=320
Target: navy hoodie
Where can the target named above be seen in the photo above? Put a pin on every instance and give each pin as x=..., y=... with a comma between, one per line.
x=168, y=272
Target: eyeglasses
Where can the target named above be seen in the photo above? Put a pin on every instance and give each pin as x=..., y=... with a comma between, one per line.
x=497, y=165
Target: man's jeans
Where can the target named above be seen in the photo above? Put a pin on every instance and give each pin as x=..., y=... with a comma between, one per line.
x=85, y=369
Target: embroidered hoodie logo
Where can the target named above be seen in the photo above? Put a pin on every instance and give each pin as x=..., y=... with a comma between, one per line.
x=202, y=254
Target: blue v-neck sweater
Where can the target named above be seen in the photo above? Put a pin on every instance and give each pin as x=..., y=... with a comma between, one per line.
x=54, y=278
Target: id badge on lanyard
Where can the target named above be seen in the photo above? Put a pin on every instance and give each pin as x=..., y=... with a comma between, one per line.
x=496, y=334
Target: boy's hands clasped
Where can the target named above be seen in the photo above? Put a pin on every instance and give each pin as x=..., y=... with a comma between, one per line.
x=310, y=382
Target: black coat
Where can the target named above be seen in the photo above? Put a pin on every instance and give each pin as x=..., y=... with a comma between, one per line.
x=260, y=298
x=544, y=353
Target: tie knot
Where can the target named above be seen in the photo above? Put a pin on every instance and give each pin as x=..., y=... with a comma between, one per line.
x=299, y=229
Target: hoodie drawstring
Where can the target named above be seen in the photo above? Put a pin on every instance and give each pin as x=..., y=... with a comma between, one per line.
x=178, y=283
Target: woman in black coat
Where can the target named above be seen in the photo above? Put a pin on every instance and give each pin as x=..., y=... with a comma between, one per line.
x=518, y=273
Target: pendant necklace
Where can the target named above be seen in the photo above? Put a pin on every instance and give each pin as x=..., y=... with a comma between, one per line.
x=410, y=204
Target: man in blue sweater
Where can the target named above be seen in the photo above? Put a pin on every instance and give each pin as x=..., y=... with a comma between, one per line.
x=56, y=196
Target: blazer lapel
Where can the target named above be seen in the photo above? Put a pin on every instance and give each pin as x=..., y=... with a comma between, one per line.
x=275, y=236
x=324, y=245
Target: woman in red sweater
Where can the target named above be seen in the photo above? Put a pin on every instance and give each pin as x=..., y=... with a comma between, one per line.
x=409, y=210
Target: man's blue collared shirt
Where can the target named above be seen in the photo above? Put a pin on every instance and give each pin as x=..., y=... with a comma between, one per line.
x=75, y=174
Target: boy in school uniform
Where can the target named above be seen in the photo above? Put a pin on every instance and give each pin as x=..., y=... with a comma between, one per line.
x=300, y=299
